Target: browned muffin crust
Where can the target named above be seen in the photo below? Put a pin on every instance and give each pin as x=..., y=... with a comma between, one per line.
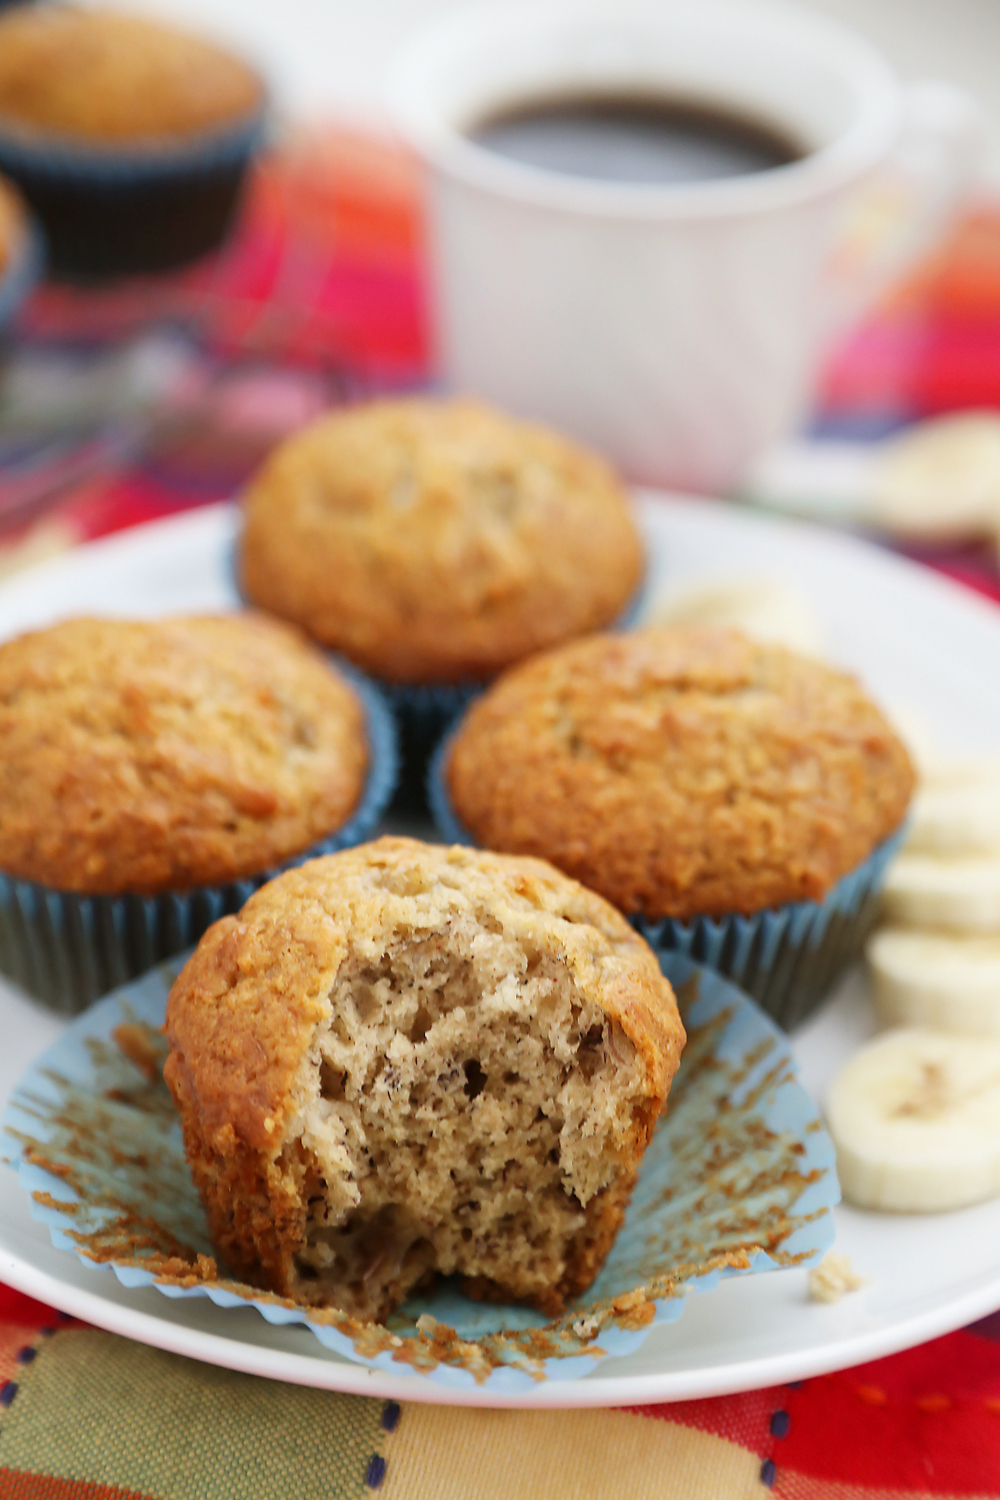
x=681, y=772
x=13, y=224
x=432, y=541
x=322, y=1047
x=165, y=754
x=106, y=78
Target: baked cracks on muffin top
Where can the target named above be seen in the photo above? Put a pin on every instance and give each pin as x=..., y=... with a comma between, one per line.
x=681, y=771
x=148, y=756
x=436, y=542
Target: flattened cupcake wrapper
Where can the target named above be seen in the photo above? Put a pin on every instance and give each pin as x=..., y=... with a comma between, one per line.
x=786, y=958
x=68, y=949
x=738, y=1179
x=119, y=212
x=19, y=279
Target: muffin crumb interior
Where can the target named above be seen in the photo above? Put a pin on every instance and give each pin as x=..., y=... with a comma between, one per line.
x=458, y=1113
x=403, y=1060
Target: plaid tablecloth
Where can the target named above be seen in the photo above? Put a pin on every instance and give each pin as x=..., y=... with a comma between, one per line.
x=123, y=405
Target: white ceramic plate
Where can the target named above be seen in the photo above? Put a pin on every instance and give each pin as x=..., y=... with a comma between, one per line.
x=917, y=641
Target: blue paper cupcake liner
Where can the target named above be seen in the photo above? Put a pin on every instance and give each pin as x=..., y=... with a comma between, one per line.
x=738, y=1179
x=69, y=949
x=117, y=212
x=426, y=711
x=786, y=958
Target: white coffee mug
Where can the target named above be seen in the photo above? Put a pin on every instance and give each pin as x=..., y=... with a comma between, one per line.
x=678, y=327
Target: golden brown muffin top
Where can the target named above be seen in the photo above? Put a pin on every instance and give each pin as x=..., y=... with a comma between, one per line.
x=164, y=754
x=432, y=541
x=244, y=1012
x=108, y=78
x=13, y=224
x=681, y=771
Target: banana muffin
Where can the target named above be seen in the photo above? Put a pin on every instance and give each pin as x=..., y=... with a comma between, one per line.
x=404, y=1060
x=107, y=78
x=681, y=772
x=437, y=541
x=146, y=756
x=20, y=254
x=13, y=228
x=129, y=138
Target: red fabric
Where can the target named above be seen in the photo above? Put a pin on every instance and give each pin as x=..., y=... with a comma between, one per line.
x=24, y=1311
x=927, y=1420
x=18, y=1485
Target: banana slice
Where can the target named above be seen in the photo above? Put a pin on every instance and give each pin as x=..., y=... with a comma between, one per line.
x=957, y=810
x=945, y=980
x=762, y=608
x=915, y=1118
x=960, y=892
x=957, y=771
x=939, y=480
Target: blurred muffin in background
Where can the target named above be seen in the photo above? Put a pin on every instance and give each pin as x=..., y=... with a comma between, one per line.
x=435, y=543
x=128, y=138
x=20, y=252
x=13, y=226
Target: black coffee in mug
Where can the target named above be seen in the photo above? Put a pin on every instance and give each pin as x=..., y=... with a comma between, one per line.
x=635, y=137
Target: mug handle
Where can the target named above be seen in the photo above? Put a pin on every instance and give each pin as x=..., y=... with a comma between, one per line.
x=910, y=202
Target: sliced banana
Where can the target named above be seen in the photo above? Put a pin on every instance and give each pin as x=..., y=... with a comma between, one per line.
x=915, y=1118
x=945, y=980
x=960, y=892
x=965, y=770
x=763, y=608
x=957, y=809
x=939, y=480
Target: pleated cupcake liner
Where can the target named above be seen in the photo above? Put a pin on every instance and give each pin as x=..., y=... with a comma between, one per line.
x=21, y=276
x=786, y=958
x=426, y=711
x=68, y=949
x=112, y=212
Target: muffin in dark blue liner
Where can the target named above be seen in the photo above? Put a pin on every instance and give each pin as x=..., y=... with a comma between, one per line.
x=426, y=710
x=113, y=211
x=786, y=958
x=69, y=949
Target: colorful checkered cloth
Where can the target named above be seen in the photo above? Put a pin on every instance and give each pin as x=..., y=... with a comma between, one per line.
x=318, y=298
x=86, y=1415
